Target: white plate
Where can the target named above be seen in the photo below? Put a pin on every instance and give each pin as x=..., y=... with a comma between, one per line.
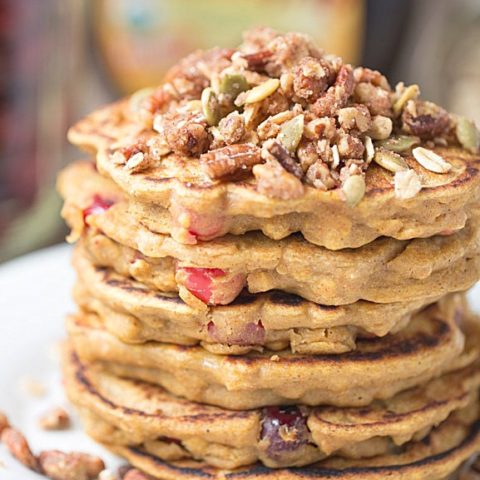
x=34, y=299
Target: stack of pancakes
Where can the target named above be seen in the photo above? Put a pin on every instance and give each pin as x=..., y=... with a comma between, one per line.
x=229, y=328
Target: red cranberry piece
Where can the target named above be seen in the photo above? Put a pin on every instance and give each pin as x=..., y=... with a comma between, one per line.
x=193, y=226
x=199, y=281
x=98, y=205
x=284, y=429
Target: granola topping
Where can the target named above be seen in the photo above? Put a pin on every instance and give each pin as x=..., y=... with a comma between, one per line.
x=281, y=113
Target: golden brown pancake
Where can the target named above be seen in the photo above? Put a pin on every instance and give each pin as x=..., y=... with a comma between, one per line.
x=383, y=271
x=275, y=320
x=431, y=344
x=131, y=413
x=433, y=458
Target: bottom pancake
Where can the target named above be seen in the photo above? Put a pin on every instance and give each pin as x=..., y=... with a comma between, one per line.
x=436, y=457
x=135, y=414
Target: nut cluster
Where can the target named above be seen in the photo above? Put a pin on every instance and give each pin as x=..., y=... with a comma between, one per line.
x=286, y=113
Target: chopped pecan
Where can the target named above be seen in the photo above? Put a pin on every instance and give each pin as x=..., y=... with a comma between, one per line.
x=159, y=100
x=185, y=133
x=275, y=182
x=363, y=74
x=268, y=129
x=192, y=74
x=337, y=95
x=232, y=128
x=378, y=100
x=287, y=50
x=55, y=419
x=280, y=153
x=324, y=127
x=352, y=166
x=320, y=176
x=425, y=119
x=231, y=161
x=356, y=117
x=307, y=154
x=311, y=78
x=274, y=104
x=127, y=152
x=350, y=146
x=18, y=446
x=70, y=466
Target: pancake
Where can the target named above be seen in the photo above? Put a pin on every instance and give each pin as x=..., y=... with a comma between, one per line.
x=275, y=320
x=379, y=368
x=177, y=197
x=384, y=271
x=130, y=413
x=433, y=458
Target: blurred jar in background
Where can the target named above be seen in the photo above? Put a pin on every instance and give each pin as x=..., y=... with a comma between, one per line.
x=141, y=39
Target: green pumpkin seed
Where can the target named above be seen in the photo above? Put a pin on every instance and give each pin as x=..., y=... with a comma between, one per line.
x=399, y=144
x=291, y=133
x=138, y=97
x=210, y=106
x=390, y=161
x=232, y=84
x=468, y=134
x=354, y=189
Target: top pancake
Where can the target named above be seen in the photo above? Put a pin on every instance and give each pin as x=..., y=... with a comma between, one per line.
x=177, y=192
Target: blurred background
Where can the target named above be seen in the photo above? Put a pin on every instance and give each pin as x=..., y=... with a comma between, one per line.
x=61, y=58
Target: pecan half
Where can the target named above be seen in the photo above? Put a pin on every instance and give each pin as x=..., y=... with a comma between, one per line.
x=231, y=161
x=18, y=446
x=70, y=466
